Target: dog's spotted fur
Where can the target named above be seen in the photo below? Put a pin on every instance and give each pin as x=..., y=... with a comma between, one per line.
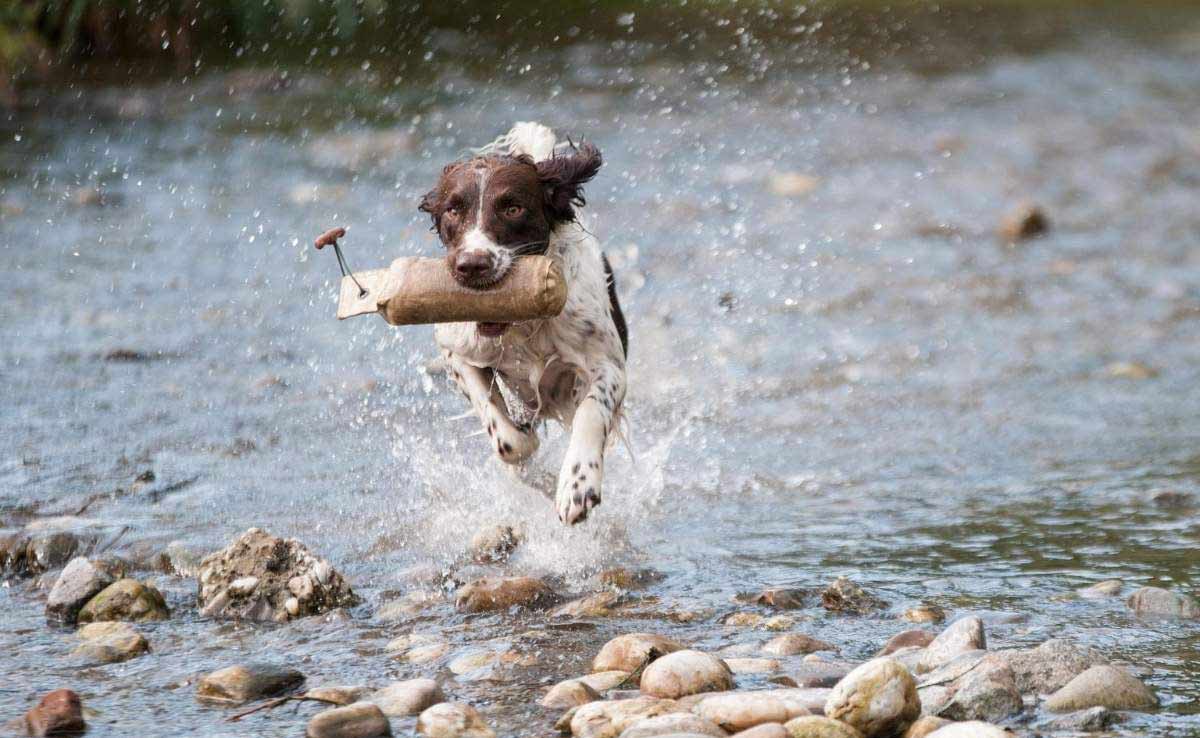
x=488, y=211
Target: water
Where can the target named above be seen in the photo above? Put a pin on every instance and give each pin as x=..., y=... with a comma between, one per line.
x=862, y=380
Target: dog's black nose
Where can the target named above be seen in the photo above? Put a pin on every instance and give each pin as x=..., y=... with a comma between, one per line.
x=473, y=266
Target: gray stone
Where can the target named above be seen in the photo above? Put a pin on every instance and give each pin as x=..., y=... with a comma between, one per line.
x=878, y=698
x=79, y=582
x=245, y=682
x=358, y=720
x=741, y=710
x=1082, y=721
x=110, y=643
x=409, y=697
x=1163, y=602
x=963, y=635
x=845, y=596
x=988, y=692
x=673, y=724
x=609, y=718
x=1049, y=666
x=1102, y=686
x=125, y=599
x=1100, y=590
x=685, y=672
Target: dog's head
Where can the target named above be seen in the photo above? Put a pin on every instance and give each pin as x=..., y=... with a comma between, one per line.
x=489, y=210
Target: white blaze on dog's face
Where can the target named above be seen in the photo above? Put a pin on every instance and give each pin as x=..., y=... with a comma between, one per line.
x=489, y=211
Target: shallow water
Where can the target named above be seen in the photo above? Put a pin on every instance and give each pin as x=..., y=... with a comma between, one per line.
x=861, y=380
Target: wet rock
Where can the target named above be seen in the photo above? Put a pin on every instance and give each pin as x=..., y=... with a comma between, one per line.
x=494, y=544
x=779, y=623
x=792, y=184
x=1024, y=221
x=845, y=596
x=766, y=730
x=753, y=666
x=29, y=554
x=79, y=582
x=182, y=559
x=820, y=673
x=744, y=619
x=426, y=653
x=906, y=639
x=734, y=711
x=783, y=598
x=262, y=577
x=673, y=724
x=685, y=672
x=632, y=651
x=924, y=726
x=817, y=726
x=925, y=614
x=591, y=606
x=338, y=694
x=410, y=605
x=359, y=720
x=1049, y=666
x=909, y=657
x=878, y=698
x=501, y=593
x=602, y=681
x=794, y=644
x=1082, y=721
x=1163, y=602
x=409, y=697
x=569, y=693
x=963, y=635
x=125, y=599
x=1102, y=686
x=970, y=729
x=1100, y=590
x=58, y=713
x=988, y=692
x=1172, y=499
x=622, y=577
x=245, y=682
x=607, y=719
x=110, y=643
x=453, y=720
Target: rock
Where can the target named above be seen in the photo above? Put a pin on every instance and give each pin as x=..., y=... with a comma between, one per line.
x=820, y=673
x=591, y=606
x=262, y=577
x=1102, y=686
x=632, y=651
x=792, y=184
x=961, y=636
x=338, y=694
x=608, y=719
x=359, y=720
x=783, y=598
x=245, y=682
x=988, y=692
x=779, y=623
x=1048, y=667
x=794, y=644
x=58, y=713
x=816, y=726
x=501, y=593
x=602, y=681
x=1024, y=221
x=925, y=614
x=110, y=643
x=569, y=693
x=494, y=544
x=906, y=639
x=673, y=724
x=685, y=672
x=924, y=726
x=1130, y=370
x=453, y=720
x=27, y=554
x=744, y=619
x=426, y=653
x=846, y=596
x=753, y=666
x=125, y=599
x=1158, y=601
x=409, y=697
x=1084, y=721
x=970, y=729
x=1100, y=590
x=622, y=577
x=878, y=698
x=766, y=730
x=1171, y=499
x=734, y=711
x=79, y=582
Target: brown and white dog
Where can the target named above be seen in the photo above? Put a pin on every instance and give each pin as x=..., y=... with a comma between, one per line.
x=516, y=197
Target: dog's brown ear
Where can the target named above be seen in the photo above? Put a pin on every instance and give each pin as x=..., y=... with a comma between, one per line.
x=431, y=201
x=563, y=177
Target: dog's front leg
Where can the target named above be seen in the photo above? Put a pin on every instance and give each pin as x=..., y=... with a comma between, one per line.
x=510, y=442
x=582, y=470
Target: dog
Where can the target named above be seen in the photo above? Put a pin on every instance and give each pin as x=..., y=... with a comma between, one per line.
x=516, y=197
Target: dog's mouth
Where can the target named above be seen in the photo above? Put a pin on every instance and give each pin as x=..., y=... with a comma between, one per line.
x=491, y=330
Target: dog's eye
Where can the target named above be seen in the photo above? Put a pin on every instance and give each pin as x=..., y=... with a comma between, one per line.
x=514, y=211
x=453, y=211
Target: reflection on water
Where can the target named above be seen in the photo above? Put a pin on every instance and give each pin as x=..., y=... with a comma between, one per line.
x=837, y=368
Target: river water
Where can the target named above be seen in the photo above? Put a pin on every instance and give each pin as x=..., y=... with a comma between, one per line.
x=837, y=367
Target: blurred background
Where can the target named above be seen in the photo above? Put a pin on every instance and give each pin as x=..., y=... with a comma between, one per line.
x=913, y=293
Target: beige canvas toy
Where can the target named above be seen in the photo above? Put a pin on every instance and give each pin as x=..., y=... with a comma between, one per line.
x=416, y=290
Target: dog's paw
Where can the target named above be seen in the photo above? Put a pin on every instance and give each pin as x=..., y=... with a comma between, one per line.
x=578, y=489
x=513, y=445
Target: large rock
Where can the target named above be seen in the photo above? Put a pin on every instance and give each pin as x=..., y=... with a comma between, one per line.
x=494, y=544
x=817, y=726
x=766, y=730
x=685, y=672
x=632, y=651
x=783, y=598
x=244, y=682
x=29, y=554
x=963, y=635
x=58, y=713
x=125, y=599
x=878, y=698
x=1081, y=721
x=595, y=605
x=906, y=639
x=359, y=720
x=971, y=729
x=1049, y=666
x=79, y=582
x=1102, y=686
x=794, y=644
x=753, y=666
x=409, y=697
x=570, y=693
x=608, y=719
x=925, y=725
x=844, y=595
x=988, y=692
x=1163, y=602
x=110, y=643
x=262, y=577
x=734, y=711
x=673, y=724
x=501, y=593
x=453, y=720
x=1101, y=590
